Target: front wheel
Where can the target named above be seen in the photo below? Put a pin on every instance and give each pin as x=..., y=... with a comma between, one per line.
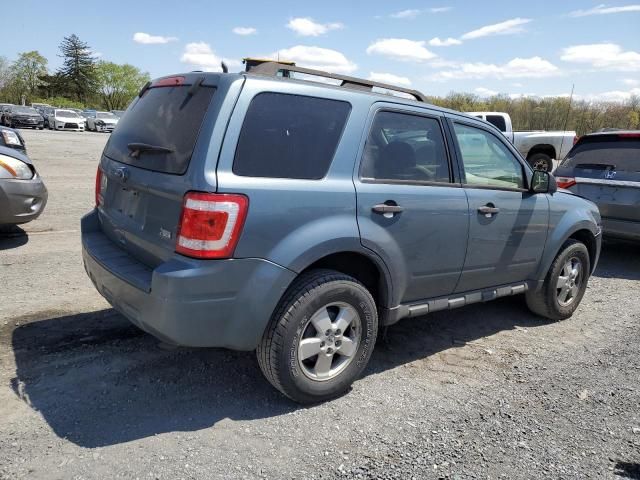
x=320, y=337
x=564, y=285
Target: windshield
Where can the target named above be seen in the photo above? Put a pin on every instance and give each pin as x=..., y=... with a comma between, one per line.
x=67, y=113
x=620, y=152
x=25, y=110
x=105, y=115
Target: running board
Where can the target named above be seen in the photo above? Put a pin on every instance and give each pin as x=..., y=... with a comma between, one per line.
x=454, y=301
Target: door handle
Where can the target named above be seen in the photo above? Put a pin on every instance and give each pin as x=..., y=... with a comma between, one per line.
x=384, y=208
x=488, y=210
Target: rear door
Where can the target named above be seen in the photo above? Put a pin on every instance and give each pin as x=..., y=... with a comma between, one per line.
x=606, y=169
x=146, y=164
x=410, y=209
x=507, y=224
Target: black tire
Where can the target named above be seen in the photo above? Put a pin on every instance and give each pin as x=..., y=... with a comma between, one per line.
x=278, y=350
x=545, y=302
x=541, y=161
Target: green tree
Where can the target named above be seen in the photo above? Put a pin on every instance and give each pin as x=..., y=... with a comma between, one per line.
x=117, y=84
x=78, y=67
x=24, y=75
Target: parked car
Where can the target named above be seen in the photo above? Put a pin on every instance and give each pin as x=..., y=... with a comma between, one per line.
x=65, y=119
x=11, y=138
x=19, y=116
x=248, y=211
x=3, y=107
x=23, y=195
x=539, y=147
x=87, y=114
x=102, y=122
x=605, y=168
x=118, y=113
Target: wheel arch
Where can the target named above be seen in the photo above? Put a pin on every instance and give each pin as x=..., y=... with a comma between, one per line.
x=545, y=148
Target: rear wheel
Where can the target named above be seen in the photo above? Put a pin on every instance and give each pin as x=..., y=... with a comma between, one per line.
x=564, y=285
x=320, y=338
x=541, y=161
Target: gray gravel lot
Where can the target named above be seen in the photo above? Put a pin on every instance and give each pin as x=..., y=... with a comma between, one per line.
x=488, y=391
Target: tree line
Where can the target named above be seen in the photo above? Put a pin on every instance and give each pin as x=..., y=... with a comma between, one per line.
x=82, y=81
x=551, y=113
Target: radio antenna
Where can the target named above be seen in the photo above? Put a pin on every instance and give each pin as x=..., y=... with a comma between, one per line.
x=566, y=120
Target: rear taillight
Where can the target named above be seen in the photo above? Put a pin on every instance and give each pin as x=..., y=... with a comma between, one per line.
x=565, y=182
x=575, y=139
x=98, y=187
x=168, y=82
x=211, y=224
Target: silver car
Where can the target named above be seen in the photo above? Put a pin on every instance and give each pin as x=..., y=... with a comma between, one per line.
x=605, y=168
x=23, y=195
x=102, y=122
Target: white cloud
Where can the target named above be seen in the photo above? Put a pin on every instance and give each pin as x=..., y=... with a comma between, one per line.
x=411, y=13
x=534, y=67
x=390, y=78
x=147, y=39
x=307, y=27
x=612, y=96
x=602, y=9
x=401, y=49
x=200, y=54
x=632, y=82
x=485, y=92
x=244, y=31
x=439, y=9
x=606, y=56
x=317, y=58
x=515, y=25
x=447, y=42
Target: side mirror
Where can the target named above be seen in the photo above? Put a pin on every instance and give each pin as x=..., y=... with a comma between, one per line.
x=543, y=182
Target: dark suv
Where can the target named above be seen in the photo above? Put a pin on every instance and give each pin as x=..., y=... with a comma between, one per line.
x=257, y=211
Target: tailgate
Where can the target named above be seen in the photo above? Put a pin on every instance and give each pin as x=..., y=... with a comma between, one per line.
x=146, y=164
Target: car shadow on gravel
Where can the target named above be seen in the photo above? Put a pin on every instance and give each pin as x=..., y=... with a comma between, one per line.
x=98, y=380
x=619, y=259
x=12, y=237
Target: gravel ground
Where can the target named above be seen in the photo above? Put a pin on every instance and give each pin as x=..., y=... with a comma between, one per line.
x=487, y=391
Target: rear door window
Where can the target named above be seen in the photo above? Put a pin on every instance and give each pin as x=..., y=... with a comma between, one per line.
x=497, y=121
x=606, y=152
x=165, y=117
x=289, y=136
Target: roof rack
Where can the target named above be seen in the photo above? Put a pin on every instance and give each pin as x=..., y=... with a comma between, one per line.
x=272, y=68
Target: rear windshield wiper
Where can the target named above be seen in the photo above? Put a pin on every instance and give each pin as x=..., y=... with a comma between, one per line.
x=138, y=148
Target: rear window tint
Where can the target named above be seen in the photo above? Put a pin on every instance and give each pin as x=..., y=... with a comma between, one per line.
x=621, y=153
x=165, y=117
x=289, y=136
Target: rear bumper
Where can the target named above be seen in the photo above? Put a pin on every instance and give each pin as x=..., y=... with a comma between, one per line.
x=21, y=201
x=215, y=303
x=624, y=229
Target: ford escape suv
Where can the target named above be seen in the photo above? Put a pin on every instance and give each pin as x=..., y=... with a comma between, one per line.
x=260, y=211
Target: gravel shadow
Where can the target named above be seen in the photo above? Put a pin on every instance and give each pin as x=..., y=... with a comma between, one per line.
x=98, y=380
x=627, y=470
x=12, y=236
x=619, y=259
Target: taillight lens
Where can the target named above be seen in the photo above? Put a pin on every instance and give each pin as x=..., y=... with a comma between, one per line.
x=575, y=139
x=565, y=182
x=99, y=175
x=211, y=224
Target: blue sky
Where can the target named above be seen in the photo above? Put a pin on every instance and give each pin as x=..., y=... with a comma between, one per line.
x=518, y=48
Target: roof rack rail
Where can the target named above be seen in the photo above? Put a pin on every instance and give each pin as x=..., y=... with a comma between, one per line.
x=273, y=68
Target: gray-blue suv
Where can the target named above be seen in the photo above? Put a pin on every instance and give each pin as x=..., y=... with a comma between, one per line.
x=265, y=211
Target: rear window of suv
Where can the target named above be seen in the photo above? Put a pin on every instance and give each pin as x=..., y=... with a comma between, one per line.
x=620, y=152
x=166, y=117
x=289, y=136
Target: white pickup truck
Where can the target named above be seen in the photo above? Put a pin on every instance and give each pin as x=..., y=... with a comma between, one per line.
x=539, y=147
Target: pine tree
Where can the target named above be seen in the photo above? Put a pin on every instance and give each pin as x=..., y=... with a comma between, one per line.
x=78, y=67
